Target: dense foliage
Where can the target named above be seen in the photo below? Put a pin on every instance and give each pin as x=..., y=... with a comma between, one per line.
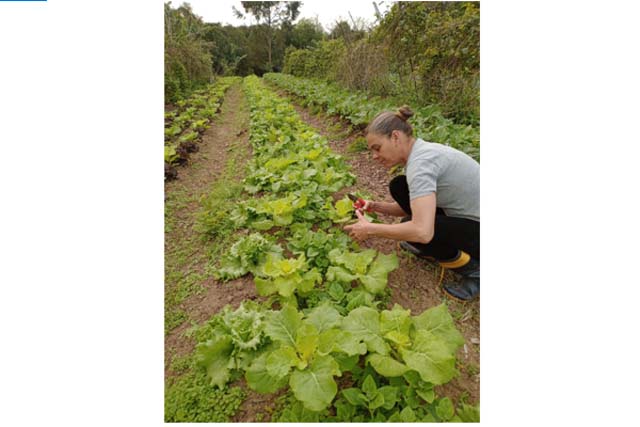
x=317, y=62
x=425, y=52
x=434, y=49
x=359, y=108
x=187, y=60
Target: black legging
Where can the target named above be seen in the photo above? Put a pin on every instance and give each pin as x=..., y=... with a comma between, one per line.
x=450, y=234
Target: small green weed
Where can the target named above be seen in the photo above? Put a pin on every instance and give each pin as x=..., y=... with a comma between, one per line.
x=473, y=369
x=173, y=317
x=181, y=364
x=191, y=398
x=358, y=145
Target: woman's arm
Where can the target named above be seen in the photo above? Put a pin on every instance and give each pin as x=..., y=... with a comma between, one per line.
x=387, y=208
x=420, y=229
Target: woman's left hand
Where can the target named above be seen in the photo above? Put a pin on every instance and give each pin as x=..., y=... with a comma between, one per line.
x=359, y=230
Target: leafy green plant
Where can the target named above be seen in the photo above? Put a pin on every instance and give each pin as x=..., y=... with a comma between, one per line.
x=247, y=255
x=342, y=210
x=285, y=276
x=406, y=398
x=230, y=341
x=199, y=125
x=188, y=137
x=316, y=245
x=295, y=412
x=269, y=211
x=170, y=154
x=365, y=267
x=303, y=358
x=311, y=349
x=172, y=131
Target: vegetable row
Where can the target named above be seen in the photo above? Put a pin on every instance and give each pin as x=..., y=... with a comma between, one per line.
x=185, y=124
x=359, y=108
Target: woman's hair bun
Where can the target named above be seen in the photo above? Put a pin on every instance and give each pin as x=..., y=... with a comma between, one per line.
x=404, y=112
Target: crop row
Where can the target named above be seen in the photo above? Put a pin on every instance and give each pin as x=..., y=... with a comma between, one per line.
x=185, y=125
x=359, y=108
x=343, y=357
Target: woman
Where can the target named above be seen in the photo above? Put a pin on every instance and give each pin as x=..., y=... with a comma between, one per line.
x=439, y=199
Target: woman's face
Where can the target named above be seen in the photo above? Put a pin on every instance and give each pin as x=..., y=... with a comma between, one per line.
x=386, y=149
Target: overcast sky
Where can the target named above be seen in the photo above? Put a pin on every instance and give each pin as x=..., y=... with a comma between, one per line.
x=327, y=12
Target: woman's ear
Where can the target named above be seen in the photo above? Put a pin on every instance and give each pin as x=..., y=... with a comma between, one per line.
x=398, y=136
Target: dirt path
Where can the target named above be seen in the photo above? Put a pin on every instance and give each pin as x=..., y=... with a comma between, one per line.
x=414, y=284
x=192, y=293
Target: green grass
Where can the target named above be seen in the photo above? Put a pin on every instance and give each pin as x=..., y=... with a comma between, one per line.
x=173, y=317
x=191, y=398
x=335, y=129
x=178, y=288
x=358, y=145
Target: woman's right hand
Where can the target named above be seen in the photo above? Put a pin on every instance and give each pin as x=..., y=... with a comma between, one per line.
x=365, y=205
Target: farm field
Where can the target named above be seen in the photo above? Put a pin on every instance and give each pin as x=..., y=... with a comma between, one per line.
x=272, y=313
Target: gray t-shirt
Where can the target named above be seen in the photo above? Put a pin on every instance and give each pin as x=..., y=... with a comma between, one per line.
x=451, y=174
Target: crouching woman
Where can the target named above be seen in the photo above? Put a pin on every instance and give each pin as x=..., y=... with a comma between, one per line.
x=439, y=200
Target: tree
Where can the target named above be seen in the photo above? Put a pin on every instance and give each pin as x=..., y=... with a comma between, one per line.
x=343, y=30
x=270, y=15
x=306, y=33
x=436, y=47
x=187, y=60
x=229, y=48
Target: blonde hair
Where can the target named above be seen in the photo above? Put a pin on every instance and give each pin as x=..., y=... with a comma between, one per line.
x=388, y=121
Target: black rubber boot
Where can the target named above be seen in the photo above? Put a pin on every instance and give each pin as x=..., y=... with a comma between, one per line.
x=468, y=287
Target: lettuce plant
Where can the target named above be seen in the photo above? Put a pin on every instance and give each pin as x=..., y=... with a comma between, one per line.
x=311, y=349
x=230, y=341
x=170, y=154
x=342, y=210
x=268, y=212
x=316, y=245
x=286, y=276
x=247, y=255
x=363, y=266
x=304, y=358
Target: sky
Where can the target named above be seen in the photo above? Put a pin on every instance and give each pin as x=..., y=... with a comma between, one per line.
x=327, y=12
